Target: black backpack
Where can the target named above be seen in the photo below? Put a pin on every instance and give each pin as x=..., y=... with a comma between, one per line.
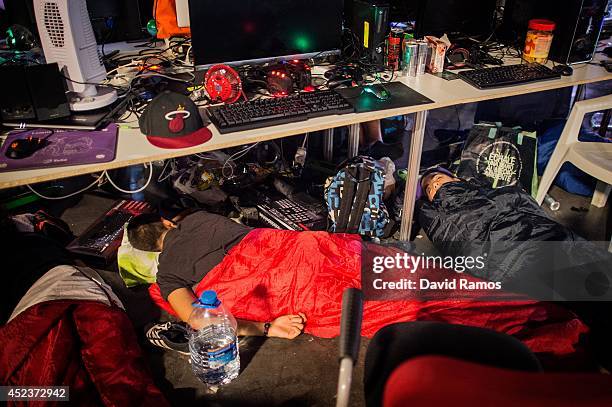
x=354, y=198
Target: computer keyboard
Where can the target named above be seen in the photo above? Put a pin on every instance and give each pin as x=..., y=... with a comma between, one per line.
x=102, y=238
x=273, y=111
x=509, y=75
x=99, y=238
x=285, y=213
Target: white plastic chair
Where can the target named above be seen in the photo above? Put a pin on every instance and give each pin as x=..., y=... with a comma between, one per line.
x=593, y=158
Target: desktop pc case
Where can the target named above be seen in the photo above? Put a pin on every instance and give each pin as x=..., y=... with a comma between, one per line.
x=578, y=26
x=369, y=21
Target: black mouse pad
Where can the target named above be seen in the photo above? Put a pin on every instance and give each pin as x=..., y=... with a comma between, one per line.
x=401, y=96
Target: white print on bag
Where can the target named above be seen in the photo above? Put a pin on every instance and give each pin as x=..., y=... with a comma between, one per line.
x=500, y=163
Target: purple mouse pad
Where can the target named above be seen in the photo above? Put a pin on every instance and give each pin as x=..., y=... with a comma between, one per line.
x=64, y=148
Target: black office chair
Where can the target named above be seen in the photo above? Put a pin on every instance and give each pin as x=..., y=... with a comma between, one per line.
x=397, y=343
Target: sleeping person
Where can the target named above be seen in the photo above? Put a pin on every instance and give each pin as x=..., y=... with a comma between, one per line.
x=282, y=283
x=191, y=246
x=456, y=210
x=528, y=251
x=464, y=218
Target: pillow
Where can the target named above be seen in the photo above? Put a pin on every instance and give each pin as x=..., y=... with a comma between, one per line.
x=136, y=266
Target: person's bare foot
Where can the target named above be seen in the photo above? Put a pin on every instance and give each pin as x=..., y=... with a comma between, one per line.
x=288, y=326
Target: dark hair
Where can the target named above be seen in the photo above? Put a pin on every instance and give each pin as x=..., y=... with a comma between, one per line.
x=144, y=232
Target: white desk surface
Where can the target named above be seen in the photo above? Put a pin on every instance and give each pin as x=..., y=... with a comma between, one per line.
x=133, y=148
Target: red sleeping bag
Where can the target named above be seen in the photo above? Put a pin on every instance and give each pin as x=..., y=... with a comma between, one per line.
x=272, y=273
x=88, y=346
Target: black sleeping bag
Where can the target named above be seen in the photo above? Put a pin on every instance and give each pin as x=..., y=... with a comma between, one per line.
x=526, y=250
x=464, y=211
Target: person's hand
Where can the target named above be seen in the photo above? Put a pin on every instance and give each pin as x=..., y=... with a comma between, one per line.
x=288, y=326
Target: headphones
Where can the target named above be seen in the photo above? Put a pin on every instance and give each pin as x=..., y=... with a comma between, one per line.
x=267, y=153
x=457, y=58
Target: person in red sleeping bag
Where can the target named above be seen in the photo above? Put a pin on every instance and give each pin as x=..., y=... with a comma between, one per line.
x=282, y=283
x=191, y=246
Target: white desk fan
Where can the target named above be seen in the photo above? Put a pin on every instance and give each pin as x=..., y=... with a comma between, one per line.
x=67, y=38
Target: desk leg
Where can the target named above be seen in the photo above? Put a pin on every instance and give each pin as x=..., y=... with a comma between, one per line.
x=353, y=141
x=414, y=163
x=605, y=122
x=328, y=144
x=577, y=95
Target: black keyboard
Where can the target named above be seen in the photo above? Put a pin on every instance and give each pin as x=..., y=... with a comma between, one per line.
x=104, y=233
x=273, y=111
x=285, y=213
x=509, y=75
x=102, y=238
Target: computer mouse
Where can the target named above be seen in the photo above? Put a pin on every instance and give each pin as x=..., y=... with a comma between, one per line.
x=380, y=92
x=564, y=70
x=25, y=147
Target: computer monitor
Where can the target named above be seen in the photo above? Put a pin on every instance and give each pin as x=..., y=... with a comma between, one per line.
x=119, y=20
x=256, y=31
x=452, y=17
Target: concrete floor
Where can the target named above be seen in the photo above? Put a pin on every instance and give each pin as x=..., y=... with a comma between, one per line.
x=577, y=214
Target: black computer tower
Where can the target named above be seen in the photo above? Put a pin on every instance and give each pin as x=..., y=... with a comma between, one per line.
x=369, y=21
x=578, y=26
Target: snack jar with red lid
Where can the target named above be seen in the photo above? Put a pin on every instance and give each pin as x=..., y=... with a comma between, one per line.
x=538, y=40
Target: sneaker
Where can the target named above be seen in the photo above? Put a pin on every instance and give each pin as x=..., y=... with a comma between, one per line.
x=170, y=335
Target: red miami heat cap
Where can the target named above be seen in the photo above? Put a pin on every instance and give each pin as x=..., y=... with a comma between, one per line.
x=172, y=120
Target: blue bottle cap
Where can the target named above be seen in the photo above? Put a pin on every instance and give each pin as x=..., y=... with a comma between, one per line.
x=208, y=299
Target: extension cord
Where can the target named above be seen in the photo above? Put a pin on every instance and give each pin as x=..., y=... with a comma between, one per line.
x=124, y=70
x=124, y=76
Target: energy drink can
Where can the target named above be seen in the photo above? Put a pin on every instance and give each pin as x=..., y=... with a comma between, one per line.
x=409, y=60
x=407, y=38
x=423, y=48
x=394, y=47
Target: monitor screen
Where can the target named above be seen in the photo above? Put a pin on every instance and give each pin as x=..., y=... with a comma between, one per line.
x=240, y=31
x=438, y=17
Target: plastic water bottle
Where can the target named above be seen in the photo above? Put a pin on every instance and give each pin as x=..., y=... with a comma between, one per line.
x=213, y=344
